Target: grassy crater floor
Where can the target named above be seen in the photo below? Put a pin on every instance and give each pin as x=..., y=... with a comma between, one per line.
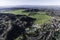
x=41, y=17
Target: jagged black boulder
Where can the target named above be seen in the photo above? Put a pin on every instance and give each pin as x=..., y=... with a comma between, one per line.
x=11, y=26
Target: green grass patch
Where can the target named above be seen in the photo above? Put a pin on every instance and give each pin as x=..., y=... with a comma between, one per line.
x=41, y=18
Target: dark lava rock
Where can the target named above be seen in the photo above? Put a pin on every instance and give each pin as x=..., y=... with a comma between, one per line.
x=11, y=26
x=48, y=31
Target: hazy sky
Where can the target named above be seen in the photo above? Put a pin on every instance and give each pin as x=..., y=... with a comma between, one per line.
x=28, y=2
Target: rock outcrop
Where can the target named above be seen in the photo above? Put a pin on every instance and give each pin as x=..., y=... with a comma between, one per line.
x=48, y=31
x=11, y=26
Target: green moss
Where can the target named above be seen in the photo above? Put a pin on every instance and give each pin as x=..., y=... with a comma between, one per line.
x=19, y=38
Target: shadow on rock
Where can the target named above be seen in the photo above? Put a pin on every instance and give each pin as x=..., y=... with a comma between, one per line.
x=18, y=26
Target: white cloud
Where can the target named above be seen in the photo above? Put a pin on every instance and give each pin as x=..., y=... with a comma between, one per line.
x=9, y=3
x=29, y=2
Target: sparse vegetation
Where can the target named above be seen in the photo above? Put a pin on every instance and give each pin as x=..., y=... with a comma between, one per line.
x=41, y=19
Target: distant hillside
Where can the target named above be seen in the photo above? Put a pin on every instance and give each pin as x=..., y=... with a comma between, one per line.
x=30, y=7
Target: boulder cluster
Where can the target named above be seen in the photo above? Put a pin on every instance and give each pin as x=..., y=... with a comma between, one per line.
x=11, y=26
x=47, y=31
x=21, y=27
